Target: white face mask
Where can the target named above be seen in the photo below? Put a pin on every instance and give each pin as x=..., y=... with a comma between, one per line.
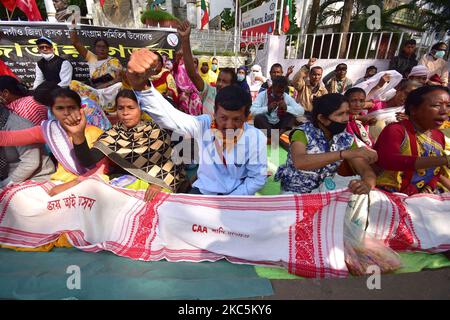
x=47, y=56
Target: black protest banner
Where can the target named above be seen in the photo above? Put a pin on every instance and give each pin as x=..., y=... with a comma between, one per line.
x=19, y=51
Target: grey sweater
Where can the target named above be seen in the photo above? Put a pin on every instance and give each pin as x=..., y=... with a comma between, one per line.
x=26, y=162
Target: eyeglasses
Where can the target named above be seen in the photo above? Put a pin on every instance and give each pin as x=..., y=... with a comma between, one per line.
x=44, y=47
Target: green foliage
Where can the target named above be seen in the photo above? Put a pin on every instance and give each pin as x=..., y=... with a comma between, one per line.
x=157, y=15
x=228, y=18
x=360, y=16
x=435, y=14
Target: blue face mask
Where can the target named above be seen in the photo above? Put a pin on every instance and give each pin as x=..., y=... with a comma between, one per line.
x=440, y=54
x=214, y=67
x=240, y=77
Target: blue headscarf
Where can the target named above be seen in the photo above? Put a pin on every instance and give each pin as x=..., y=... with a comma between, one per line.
x=243, y=84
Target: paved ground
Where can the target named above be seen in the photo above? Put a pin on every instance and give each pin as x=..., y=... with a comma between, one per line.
x=433, y=284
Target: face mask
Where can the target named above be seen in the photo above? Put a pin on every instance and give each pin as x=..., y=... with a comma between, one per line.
x=439, y=54
x=257, y=73
x=240, y=77
x=214, y=67
x=47, y=56
x=336, y=127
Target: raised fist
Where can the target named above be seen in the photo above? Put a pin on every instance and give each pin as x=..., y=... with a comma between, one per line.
x=141, y=66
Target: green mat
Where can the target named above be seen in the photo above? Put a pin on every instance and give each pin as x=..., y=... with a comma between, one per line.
x=43, y=275
x=271, y=187
x=411, y=261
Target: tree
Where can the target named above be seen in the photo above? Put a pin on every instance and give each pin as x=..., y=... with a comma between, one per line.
x=435, y=14
x=227, y=18
x=313, y=16
x=359, y=16
x=345, y=25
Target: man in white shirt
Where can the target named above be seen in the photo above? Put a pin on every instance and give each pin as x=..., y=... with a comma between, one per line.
x=51, y=67
x=437, y=66
x=232, y=153
x=275, y=109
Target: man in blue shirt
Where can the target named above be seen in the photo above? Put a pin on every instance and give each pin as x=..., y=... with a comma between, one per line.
x=275, y=109
x=232, y=153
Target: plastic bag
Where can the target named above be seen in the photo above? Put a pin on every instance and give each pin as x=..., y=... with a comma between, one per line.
x=363, y=251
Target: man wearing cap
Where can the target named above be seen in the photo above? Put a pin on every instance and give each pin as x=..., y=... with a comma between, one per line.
x=51, y=67
x=339, y=83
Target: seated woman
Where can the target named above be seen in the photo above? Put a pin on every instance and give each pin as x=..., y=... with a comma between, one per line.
x=14, y=96
x=94, y=114
x=164, y=82
x=386, y=111
x=21, y=163
x=381, y=85
x=64, y=103
x=106, y=73
x=359, y=122
x=53, y=133
x=398, y=100
x=242, y=78
x=412, y=151
x=318, y=148
x=204, y=69
x=132, y=146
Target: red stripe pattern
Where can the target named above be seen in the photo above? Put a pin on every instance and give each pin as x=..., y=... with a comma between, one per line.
x=313, y=233
x=29, y=109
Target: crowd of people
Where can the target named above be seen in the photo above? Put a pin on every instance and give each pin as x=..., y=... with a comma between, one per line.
x=386, y=130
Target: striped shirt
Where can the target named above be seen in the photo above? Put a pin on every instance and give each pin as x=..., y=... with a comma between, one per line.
x=29, y=109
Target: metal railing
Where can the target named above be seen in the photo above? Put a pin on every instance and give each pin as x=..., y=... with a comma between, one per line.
x=360, y=45
x=217, y=42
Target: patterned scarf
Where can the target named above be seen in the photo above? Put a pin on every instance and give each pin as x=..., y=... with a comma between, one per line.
x=4, y=168
x=334, y=85
x=145, y=151
x=227, y=142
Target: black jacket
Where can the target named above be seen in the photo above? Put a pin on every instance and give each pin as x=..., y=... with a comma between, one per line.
x=403, y=64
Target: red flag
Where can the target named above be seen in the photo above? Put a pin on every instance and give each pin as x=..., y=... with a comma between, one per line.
x=287, y=16
x=205, y=15
x=5, y=70
x=9, y=4
x=30, y=8
x=102, y=2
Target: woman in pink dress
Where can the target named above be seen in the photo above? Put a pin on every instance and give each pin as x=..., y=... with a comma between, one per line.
x=189, y=98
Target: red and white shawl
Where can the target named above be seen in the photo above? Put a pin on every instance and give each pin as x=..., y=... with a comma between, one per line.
x=303, y=233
